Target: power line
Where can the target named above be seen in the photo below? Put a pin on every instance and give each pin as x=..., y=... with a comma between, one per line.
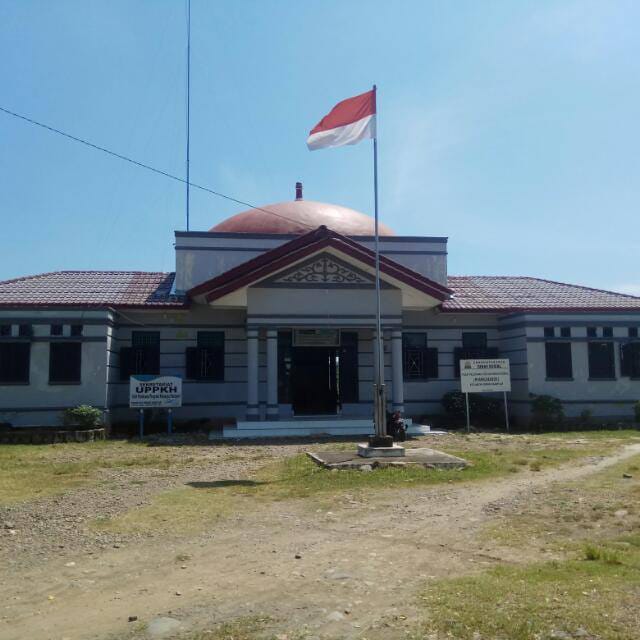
x=148, y=167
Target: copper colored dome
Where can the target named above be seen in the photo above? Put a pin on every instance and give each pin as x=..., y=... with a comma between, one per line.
x=301, y=216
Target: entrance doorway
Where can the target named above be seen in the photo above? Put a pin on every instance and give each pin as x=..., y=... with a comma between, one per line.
x=314, y=389
x=318, y=380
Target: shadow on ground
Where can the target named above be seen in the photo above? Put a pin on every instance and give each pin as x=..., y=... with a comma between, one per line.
x=220, y=484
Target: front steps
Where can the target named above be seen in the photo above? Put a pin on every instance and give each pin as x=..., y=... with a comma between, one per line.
x=318, y=427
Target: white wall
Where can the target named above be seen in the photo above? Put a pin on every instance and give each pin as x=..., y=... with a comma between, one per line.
x=444, y=331
x=39, y=402
x=604, y=398
x=202, y=255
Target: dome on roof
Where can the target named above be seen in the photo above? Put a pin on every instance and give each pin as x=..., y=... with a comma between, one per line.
x=301, y=216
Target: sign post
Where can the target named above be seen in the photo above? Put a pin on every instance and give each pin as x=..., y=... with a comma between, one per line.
x=151, y=392
x=485, y=376
x=466, y=397
x=506, y=411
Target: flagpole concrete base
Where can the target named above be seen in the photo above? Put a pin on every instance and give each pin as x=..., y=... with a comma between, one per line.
x=368, y=451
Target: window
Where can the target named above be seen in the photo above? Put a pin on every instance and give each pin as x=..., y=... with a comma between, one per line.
x=549, y=332
x=607, y=332
x=601, y=361
x=419, y=361
x=592, y=332
x=76, y=330
x=14, y=362
x=56, y=329
x=474, y=340
x=633, y=332
x=565, y=332
x=5, y=329
x=630, y=359
x=206, y=361
x=142, y=357
x=25, y=330
x=558, y=355
x=65, y=362
x=474, y=345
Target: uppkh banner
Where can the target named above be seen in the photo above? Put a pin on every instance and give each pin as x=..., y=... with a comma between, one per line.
x=146, y=392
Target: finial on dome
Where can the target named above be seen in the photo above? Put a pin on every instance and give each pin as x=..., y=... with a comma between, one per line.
x=298, y=190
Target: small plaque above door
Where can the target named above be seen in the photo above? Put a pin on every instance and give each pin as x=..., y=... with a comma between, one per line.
x=316, y=337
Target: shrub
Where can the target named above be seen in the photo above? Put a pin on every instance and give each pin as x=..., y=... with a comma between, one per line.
x=546, y=411
x=595, y=554
x=83, y=416
x=482, y=408
x=585, y=417
x=636, y=411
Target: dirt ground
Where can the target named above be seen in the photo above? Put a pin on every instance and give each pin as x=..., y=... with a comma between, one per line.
x=345, y=567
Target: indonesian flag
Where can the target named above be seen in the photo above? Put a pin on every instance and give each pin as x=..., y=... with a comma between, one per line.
x=349, y=122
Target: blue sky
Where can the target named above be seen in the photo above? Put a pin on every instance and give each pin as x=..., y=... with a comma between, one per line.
x=511, y=127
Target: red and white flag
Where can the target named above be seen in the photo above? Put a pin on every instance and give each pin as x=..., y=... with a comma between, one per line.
x=349, y=122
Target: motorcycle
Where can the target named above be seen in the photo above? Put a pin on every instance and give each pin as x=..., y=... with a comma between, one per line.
x=395, y=426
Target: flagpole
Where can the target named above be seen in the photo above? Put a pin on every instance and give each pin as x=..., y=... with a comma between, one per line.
x=188, y=96
x=379, y=389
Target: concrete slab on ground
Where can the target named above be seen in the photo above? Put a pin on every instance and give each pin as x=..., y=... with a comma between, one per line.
x=427, y=458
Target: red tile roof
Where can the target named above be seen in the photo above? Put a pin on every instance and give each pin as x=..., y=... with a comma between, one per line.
x=509, y=294
x=98, y=289
x=492, y=294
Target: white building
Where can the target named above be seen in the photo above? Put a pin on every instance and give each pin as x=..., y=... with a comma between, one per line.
x=270, y=316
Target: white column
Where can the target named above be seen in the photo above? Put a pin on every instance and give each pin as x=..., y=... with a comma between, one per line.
x=396, y=368
x=253, y=409
x=272, y=374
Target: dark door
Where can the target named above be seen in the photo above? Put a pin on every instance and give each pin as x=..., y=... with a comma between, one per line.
x=313, y=381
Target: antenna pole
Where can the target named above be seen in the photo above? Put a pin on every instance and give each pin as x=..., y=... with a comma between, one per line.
x=188, y=96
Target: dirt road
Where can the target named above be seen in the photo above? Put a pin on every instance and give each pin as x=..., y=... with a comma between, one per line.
x=348, y=571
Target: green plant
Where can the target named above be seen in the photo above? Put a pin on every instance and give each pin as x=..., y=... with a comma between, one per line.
x=83, y=416
x=585, y=417
x=636, y=411
x=608, y=556
x=546, y=411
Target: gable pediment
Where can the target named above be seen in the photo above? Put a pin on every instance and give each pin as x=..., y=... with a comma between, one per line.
x=322, y=271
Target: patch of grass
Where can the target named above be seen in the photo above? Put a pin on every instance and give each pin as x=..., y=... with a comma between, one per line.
x=33, y=471
x=595, y=434
x=298, y=477
x=248, y=628
x=565, y=516
x=183, y=510
x=595, y=553
x=520, y=603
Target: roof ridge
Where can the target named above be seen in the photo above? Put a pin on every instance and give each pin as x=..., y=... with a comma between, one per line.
x=586, y=288
x=100, y=271
x=564, y=284
x=31, y=277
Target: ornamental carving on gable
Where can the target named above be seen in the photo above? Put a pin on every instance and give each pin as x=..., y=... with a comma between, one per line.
x=325, y=271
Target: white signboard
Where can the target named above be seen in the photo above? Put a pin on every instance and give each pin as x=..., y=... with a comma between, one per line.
x=146, y=392
x=481, y=376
